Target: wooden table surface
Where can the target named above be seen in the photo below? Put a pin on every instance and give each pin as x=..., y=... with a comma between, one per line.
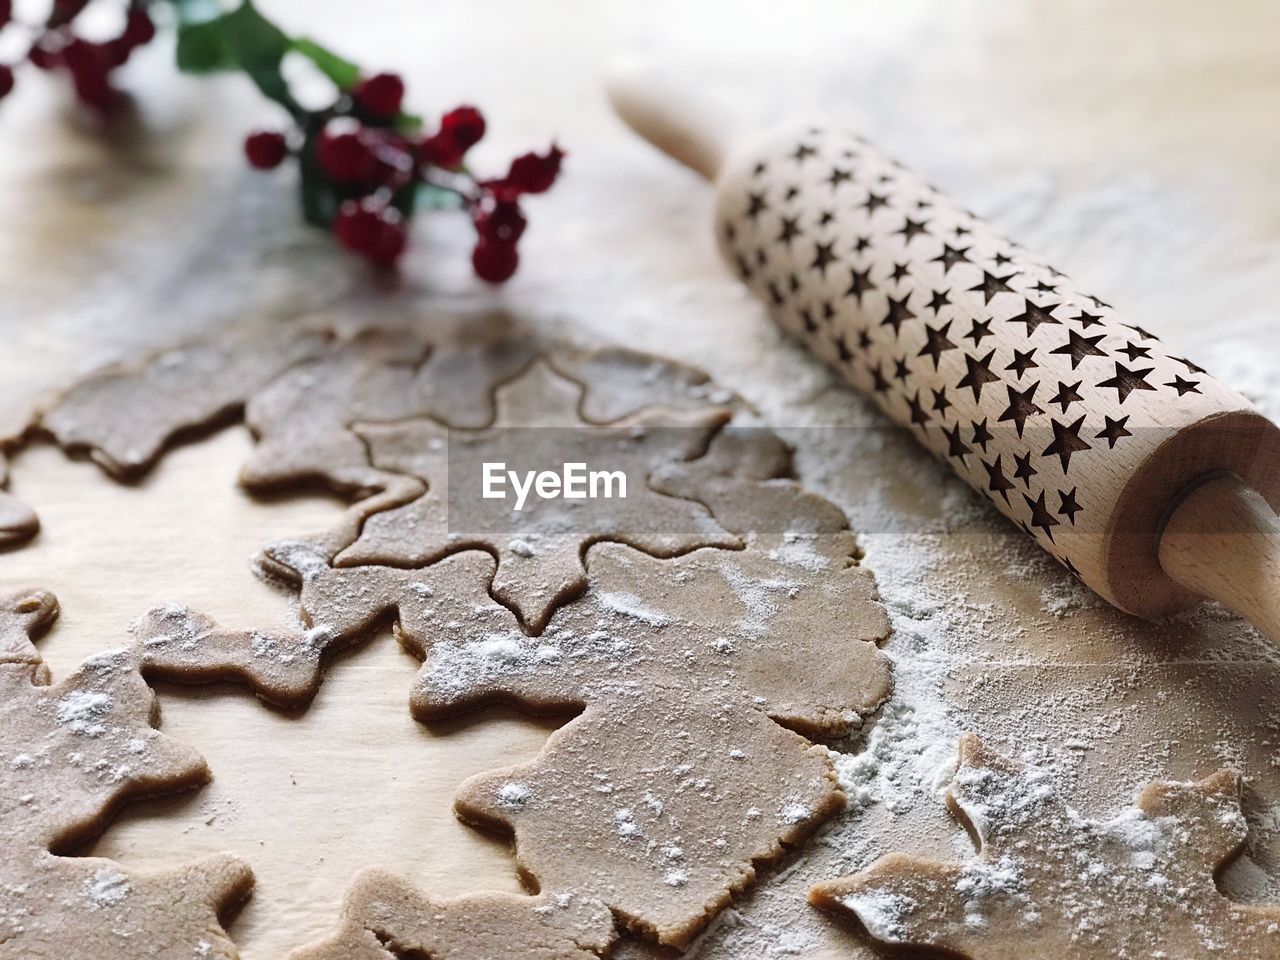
x=1132, y=140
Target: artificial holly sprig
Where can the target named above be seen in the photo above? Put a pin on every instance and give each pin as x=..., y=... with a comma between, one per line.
x=366, y=165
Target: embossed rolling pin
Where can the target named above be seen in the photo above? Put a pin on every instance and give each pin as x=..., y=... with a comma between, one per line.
x=1151, y=480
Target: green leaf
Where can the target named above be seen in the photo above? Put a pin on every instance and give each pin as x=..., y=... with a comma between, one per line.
x=241, y=38
x=257, y=43
x=343, y=73
x=408, y=123
x=202, y=48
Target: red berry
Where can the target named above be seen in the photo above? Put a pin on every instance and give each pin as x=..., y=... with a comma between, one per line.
x=465, y=125
x=345, y=153
x=502, y=224
x=6, y=80
x=44, y=53
x=380, y=96
x=442, y=150
x=535, y=173
x=139, y=29
x=371, y=228
x=90, y=66
x=494, y=262
x=265, y=149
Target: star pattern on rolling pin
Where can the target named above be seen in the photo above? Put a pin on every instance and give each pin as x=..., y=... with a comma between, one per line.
x=991, y=356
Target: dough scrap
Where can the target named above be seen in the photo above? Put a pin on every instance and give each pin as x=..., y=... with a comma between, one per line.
x=18, y=522
x=72, y=753
x=124, y=416
x=661, y=805
x=88, y=908
x=1138, y=885
x=385, y=918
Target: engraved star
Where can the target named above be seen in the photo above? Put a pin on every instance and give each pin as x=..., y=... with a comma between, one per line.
x=1042, y=287
x=911, y=229
x=939, y=300
x=1184, y=386
x=900, y=371
x=900, y=271
x=842, y=349
x=950, y=256
x=981, y=328
x=878, y=383
x=775, y=294
x=898, y=314
x=1087, y=320
x=1066, y=442
x=1142, y=334
x=759, y=170
x=790, y=230
x=1126, y=381
x=1113, y=431
x=1022, y=362
x=873, y=202
x=838, y=177
x=1193, y=368
x=1078, y=347
x=956, y=447
x=744, y=268
x=1040, y=515
x=1024, y=471
x=756, y=205
x=981, y=435
x=1034, y=316
x=1021, y=407
x=918, y=416
x=1001, y=260
x=936, y=343
x=823, y=255
x=803, y=152
x=1068, y=393
x=859, y=283
x=1134, y=352
x=807, y=316
x=1099, y=303
x=1069, y=506
x=978, y=374
x=861, y=244
x=826, y=217
x=997, y=482
x=792, y=192
x=864, y=340
x=991, y=285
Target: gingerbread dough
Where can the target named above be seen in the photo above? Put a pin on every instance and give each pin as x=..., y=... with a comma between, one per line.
x=72, y=754
x=75, y=751
x=701, y=628
x=18, y=522
x=124, y=416
x=384, y=918
x=1138, y=885
x=676, y=780
x=540, y=548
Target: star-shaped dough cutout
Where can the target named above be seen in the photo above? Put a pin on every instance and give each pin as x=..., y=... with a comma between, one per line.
x=540, y=547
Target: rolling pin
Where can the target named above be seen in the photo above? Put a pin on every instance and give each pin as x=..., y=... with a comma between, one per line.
x=1153, y=482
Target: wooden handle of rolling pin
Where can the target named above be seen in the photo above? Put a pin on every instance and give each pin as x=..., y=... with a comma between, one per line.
x=1081, y=428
